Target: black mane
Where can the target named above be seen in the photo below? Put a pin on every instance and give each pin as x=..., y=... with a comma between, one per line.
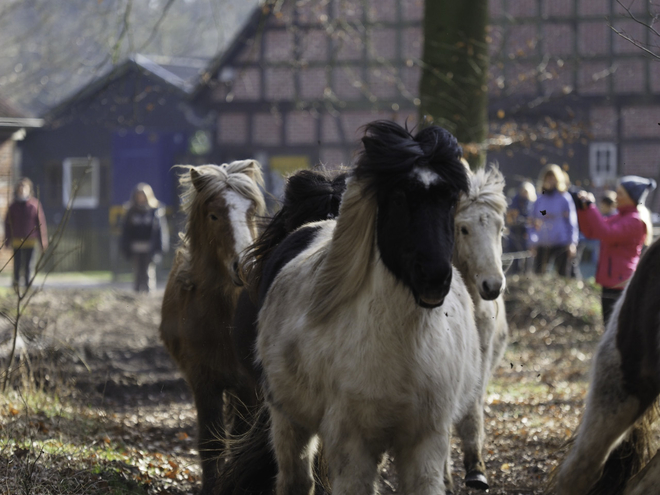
x=309, y=196
x=391, y=152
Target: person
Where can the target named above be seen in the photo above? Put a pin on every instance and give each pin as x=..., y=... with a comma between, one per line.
x=517, y=219
x=622, y=235
x=554, y=230
x=144, y=236
x=25, y=227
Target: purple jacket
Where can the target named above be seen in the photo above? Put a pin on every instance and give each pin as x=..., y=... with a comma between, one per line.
x=26, y=220
x=621, y=239
x=554, y=220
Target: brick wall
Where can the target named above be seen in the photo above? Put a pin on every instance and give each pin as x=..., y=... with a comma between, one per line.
x=6, y=192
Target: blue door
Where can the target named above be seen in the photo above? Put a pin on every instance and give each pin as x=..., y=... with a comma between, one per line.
x=146, y=157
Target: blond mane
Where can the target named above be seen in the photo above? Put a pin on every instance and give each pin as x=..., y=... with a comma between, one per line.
x=348, y=259
x=242, y=176
x=487, y=188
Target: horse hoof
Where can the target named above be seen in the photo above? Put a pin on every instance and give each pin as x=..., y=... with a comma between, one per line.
x=476, y=479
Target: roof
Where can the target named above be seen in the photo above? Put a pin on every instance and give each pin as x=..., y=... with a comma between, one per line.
x=12, y=118
x=180, y=73
x=256, y=20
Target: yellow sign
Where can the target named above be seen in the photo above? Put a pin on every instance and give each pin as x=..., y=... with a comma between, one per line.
x=288, y=164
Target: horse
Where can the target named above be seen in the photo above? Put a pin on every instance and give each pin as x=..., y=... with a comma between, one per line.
x=479, y=226
x=222, y=204
x=309, y=196
x=613, y=439
x=366, y=333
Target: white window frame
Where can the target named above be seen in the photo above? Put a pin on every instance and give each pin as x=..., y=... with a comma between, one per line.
x=81, y=202
x=599, y=177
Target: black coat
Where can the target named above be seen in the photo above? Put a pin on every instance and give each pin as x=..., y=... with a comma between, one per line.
x=144, y=230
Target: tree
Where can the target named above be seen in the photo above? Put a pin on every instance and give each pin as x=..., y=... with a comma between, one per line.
x=453, y=88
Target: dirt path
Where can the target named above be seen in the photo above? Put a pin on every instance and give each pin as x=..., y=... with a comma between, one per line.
x=102, y=349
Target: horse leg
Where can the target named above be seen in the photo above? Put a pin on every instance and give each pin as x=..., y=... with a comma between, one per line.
x=449, y=479
x=210, y=431
x=352, y=466
x=421, y=466
x=471, y=432
x=294, y=451
x=609, y=414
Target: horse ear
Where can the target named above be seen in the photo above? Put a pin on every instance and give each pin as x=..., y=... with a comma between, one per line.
x=198, y=180
x=252, y=170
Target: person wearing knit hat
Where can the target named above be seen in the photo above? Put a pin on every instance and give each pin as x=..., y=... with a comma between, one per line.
x=637, y=187
x=622, y=236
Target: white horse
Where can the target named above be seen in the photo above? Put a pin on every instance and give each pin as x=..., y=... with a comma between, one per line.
x=479, y=225
x=613, y=439
x=366, y=334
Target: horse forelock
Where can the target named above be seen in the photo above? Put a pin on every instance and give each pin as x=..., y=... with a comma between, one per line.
x=392, y=152
x=243, y=176
x=487, y=188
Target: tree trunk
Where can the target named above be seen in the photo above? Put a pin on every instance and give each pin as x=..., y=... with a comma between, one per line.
x=453, y=89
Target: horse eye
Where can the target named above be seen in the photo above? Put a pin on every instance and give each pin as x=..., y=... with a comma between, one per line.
x=464, y=231
x=213, y=217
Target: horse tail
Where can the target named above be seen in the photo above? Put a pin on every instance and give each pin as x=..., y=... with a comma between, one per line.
x=625, y=461
x=629, y=457
x=310, y=196
x=250, y=468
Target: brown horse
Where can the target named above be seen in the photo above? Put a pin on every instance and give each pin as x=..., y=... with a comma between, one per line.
x=222, y=204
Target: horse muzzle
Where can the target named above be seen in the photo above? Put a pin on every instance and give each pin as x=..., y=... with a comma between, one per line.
x=235, y=274
x=490, y=288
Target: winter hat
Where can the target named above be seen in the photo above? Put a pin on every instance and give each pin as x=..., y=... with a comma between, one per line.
x=637, y=187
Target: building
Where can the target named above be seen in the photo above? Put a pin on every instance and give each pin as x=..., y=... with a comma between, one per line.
x=131, y=125
x=302, y=77
x=13, y=126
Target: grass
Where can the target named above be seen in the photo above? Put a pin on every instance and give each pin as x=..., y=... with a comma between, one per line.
x=53, y=445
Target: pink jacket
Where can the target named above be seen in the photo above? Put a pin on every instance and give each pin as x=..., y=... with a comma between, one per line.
x=621, y=239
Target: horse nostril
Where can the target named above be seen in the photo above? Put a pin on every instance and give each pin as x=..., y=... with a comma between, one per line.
x=234, y=266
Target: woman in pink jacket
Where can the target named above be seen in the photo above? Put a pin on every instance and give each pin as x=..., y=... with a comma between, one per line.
x=621, y=236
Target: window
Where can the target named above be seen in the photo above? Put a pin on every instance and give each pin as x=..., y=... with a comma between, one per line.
x=80, y=178
x=602, y=163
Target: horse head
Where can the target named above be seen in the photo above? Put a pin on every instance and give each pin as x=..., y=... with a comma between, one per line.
x=416, y=182
x=223, y=204
x=479, y=228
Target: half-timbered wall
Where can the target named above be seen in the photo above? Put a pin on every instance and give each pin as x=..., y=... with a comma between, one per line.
x=314, y=71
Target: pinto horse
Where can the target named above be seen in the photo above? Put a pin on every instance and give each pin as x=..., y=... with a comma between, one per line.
x=479, y=225
x=366, y=332
x=612, y=441
x=222, y=204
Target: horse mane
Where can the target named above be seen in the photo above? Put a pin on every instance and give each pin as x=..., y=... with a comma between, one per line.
x=486, y=187
x=389, y=155
x=309, y=196
x=243, y=176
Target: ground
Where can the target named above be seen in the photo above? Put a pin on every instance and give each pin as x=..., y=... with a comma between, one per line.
x=97, y=406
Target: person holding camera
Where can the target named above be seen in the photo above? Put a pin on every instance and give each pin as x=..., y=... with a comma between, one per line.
x=622, y=235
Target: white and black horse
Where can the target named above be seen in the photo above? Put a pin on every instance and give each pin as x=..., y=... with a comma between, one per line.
x=612, y=442
x=366, y=332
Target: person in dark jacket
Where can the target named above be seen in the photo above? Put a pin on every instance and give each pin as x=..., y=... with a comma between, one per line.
x=144, y=236
x=25, y=228
x=622, y=236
